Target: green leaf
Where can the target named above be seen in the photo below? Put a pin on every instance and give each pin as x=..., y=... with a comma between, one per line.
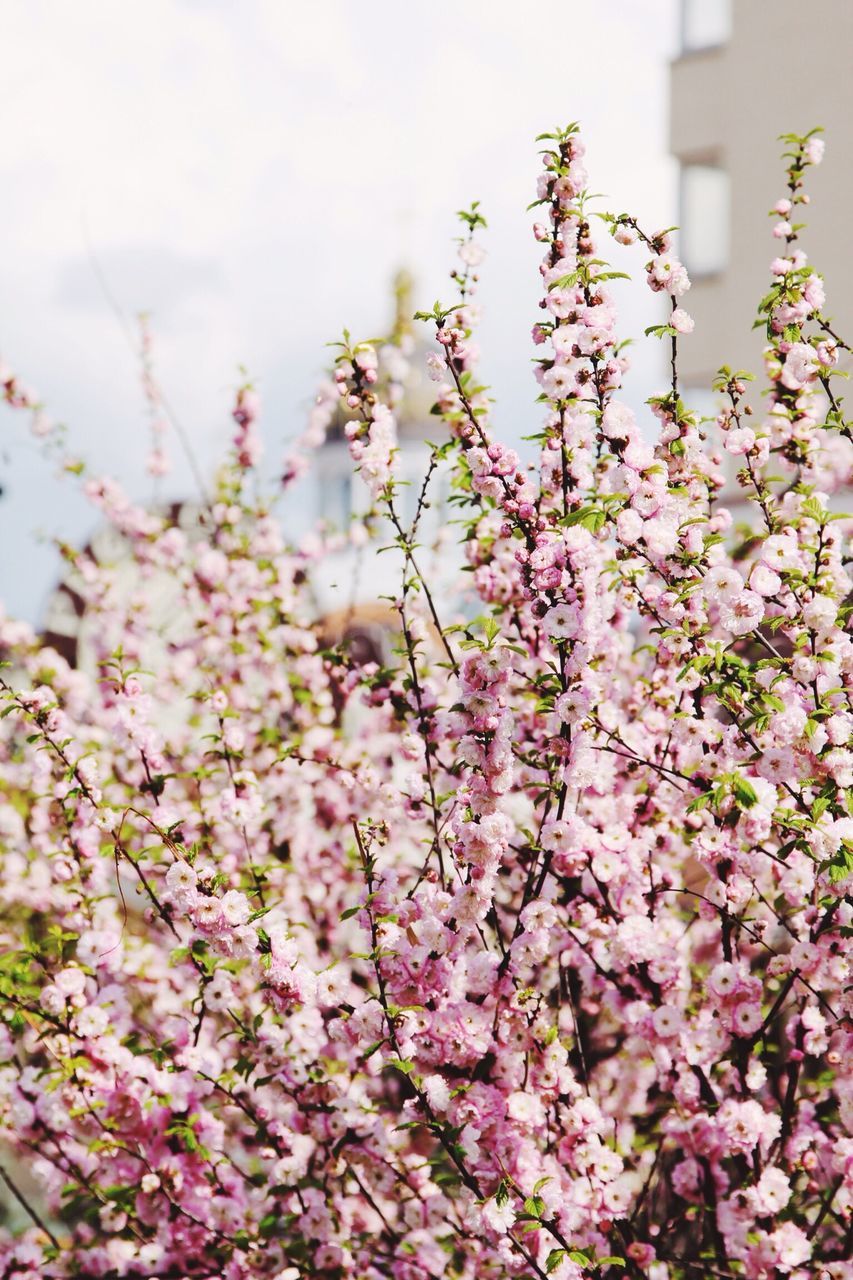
x=661, y=331
x=841, y=864
x=743, y=792
x=535, y=1206
x=402, y=1064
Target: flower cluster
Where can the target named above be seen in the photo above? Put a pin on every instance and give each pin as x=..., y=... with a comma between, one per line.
x=523, y=955
x=372, y=430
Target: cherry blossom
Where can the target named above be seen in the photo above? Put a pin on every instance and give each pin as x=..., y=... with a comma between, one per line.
x=524, y=954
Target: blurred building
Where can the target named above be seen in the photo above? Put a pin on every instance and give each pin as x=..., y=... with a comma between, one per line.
x=747, y=72
x=351, y=587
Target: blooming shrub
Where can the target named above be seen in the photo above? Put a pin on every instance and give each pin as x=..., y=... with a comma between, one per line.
x=524, y=956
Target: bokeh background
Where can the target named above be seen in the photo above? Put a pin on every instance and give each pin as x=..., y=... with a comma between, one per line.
x=253, y=174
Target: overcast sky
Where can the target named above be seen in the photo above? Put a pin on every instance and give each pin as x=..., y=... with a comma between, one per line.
x=252, y=174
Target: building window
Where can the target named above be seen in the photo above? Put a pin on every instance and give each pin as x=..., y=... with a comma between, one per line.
x=705, y=23
x=334, y=493
x=705, y=218
x=342, y=496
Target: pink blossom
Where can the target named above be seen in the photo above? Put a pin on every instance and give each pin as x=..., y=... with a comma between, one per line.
x=813, y=150
x=617, y=421
x=681, y=321
x=800, y=366
x=666, y=273
x=722, y=583
x=561, y=622
x=764, y=580
x=439, y=933
x=739, y=440
x=436, y=366
x=742, y=613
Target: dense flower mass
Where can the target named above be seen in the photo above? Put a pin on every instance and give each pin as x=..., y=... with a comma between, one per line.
x=524, y=955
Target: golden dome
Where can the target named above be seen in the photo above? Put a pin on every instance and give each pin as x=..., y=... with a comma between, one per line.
x=415, y=420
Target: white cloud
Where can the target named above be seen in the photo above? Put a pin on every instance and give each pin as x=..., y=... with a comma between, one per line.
x=254, y=173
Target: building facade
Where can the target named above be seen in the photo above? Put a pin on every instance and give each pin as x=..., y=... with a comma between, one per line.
x=748, y=71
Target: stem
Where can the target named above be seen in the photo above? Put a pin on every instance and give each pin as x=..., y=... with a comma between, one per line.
x=25, y=1204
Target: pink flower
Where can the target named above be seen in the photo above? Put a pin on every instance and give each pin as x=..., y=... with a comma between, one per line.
x=764, y=580
x=681, y=321
x=814, y=292
x=668, y=1021
x=629, y=526
x=666, y=273
x=561, y=622
x=181, y=880
x=499, y=1217
x=661, y=535
x=780, y=551
x=559, y=382
x=642, y=1254
x=437, y=1092
x=472, y=253
x=739, y=440
x=771, y=1193
x=572, y=705
x=560, y=302
x=722, y=583
x=783, y=1249
x=801, y=364
x=320, y=885
x=436, y=366
x=746, y=1018
x=724, y=979
x=618, y=422
x=742, y=1124
x=820, y=613
x=742, y=613
x=814, y=150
